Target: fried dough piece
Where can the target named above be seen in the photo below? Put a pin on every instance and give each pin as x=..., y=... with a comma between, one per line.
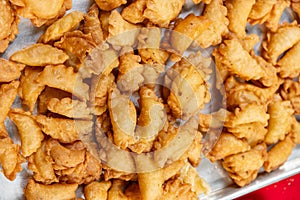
x=238, y=12
x=63, y=157
x=216, y=13
x=111, y=174
x=92, y=25
x=8, y=94
x=187, y=30
x=268, y=12
x=130, y=76
x=109, y=5
x=241, y=93
x=244, y=166
x=97, y=190
x=286, y=36
x=151, y=120
x=41, y=13
x=101, y=60
x=121, y=32
x=70, y=108
x=10, y=158
x=77, y=45
x=9, y=24
x=64, y=130
x=260, y=11
x=84, y=172
x=279, y=153
x=162, y=12
x=296, y=129
x=62, y=26
x=40, y=163
x=30, y=89
x=247, y=114
x=175, y=189
x=295, y=5
x=227, y=145
x=133, y=13
x=116, y=190
x=39, y=55
x=189, y=175
x=239, y=62
x=9, y=70
x=189, y=90
x=64, y=78
x=30, y=133
x=254, y=132
x=123, y=118
x=48, y=94
x=99, y=93
x=59, y=191
x=291, y=91
x=273, y=21
x=289, y=64
x=281, y=114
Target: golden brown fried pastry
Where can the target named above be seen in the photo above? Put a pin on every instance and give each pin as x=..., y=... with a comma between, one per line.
x=47, y=94
x=188, y=89
x=289, y=64
x=152, y=116
x=216, y=13
x=30, y=89
x=244, y=166
x=9, y=24
x=10, y=158
x=187, y=30
x=9, y=70
x=41, y=13
x=279, y=153
x=8, y=94
x=121, y=32
x=268, y=12
x=92, y=25
x=99, y=93
x=70, y=108
x=123, y=118
x=281, y=114
x=64, y=78
x=134, y=12
x=296, y=130
x=130, y=76
x=64, y=130
x=40, y=163
x=109, y=5
x=111, y=174
x=97, y=190
x=39, y=55
x=61, y=26
x=175, y=189
x=150, y=184
x=295, y=5
x=30, y=133
x=240, y=93
x=239, y=62
x=247, y=114
x=273, y=21
x=260, y=11
x=291, y=91
x=238, y=12
x=116, y=190
x=77, y=45
x=162, y=12
x=189, y=175
x=286, y=36
x=59, y=191
x=227, y=145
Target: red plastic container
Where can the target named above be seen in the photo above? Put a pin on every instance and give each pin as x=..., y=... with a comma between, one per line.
x=287, y=189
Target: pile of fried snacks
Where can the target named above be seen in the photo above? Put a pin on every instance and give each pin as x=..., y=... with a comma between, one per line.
x=102, y=111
